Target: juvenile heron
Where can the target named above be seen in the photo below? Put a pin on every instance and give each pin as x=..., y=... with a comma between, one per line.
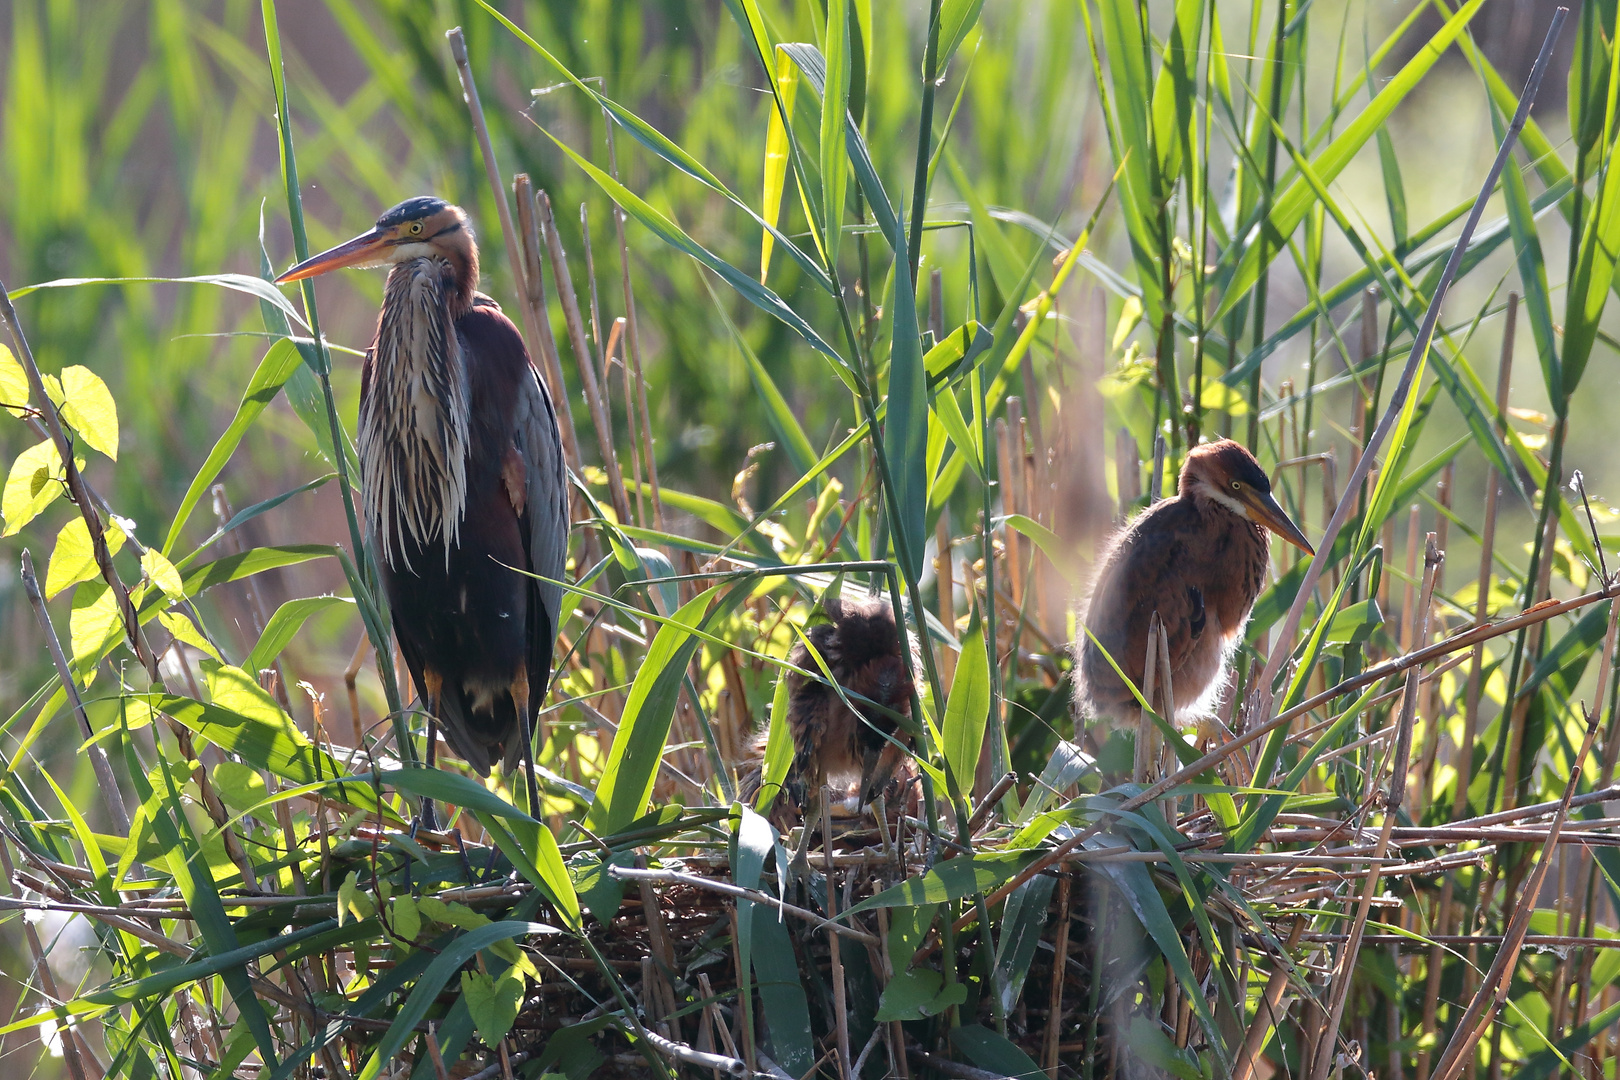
x=854, y=750
x=462, y=480
x=1198, y=560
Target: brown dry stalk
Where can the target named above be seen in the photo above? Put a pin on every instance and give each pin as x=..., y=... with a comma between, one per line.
x=1349, y=954
x=582, y=353
x=1488, y=1000
x=534, y=298
x=634, y=337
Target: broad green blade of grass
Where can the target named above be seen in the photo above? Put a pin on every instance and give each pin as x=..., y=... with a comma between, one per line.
x=967, y=710
x=905, y=432
x=776, y=159
x=278, y=365
x=834, y=111
x=638, y=747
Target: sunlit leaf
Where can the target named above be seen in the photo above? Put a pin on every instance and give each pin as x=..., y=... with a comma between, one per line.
x=33, y=483
x=73, y=559
x=89, y=409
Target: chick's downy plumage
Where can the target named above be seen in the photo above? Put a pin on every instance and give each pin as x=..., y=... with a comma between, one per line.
x=1199, y=560
x=864, y=654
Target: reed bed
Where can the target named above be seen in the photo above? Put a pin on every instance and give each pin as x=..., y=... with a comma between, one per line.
x=1388, y=852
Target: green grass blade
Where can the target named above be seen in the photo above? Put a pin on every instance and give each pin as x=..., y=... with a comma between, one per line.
x=905, y=432
x=278, y=365
x=834, y=110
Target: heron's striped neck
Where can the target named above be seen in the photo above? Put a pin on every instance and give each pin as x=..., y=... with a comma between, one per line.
x=414, y=418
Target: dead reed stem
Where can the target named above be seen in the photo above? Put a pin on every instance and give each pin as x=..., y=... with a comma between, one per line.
x=582, y=353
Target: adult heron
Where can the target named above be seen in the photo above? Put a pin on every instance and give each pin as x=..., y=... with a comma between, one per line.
x=463, y=486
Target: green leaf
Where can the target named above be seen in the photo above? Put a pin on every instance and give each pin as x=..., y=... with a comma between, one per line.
x=277, y=366
x=73, y=559
x=242, y=283
x=180, y=625
x=238, y=786
x=763, y=946
x=15, y=393
x=1020, y=928
x=352, y=900
x=905, y=432
x=1051, y=545
x=1355, y=623
x=988, y=1050
x=834, y=110
x=245, y=564
x=953, y=879
x=638, y=747
x=533, y=850
x=1289, y=206
x=919, y=993
x=93, y=625
x=285, y=623
x=244, y=720
x=433, y=980
x=967, y=708
x=778, y=756
x=493, y=1003
x=649, y=137
x=405, y=918
x=163, y=574
x=33, y=484
x=776, y=158
x=194, y=881
x=673, y=235
x=956, y=18
x=89, y=408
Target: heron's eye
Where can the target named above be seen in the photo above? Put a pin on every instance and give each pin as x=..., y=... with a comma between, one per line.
x=1237, y=485
x=416, y=227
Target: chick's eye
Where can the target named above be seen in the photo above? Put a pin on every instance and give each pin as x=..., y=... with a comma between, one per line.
x=416, y=227
x=1237, y=485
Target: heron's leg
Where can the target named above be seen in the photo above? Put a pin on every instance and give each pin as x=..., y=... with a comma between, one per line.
x=520, y=699
x=799, y=866
x=431, y=696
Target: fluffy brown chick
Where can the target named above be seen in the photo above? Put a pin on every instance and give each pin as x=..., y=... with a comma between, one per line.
x=832, y=744
x=1199, y=560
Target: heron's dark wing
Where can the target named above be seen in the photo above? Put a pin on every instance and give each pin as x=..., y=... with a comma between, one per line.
x=539, y=444
x=533, y=479
x=1146, y=571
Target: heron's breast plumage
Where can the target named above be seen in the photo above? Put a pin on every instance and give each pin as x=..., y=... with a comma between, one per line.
x=1196, y=564
x=414, y=417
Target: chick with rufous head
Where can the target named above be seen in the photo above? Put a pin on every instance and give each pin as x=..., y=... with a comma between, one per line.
x=1199, y=561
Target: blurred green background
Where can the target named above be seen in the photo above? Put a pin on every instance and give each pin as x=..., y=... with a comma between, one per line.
x=136, y=139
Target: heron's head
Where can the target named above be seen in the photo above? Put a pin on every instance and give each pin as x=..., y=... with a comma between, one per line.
x=1226, y=473
x=419, y=228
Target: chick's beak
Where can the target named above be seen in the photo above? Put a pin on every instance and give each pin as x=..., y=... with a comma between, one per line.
x=368, y=247
x=1268, y=513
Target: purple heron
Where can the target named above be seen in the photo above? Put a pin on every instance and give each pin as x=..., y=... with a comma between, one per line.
x=463, y=486
x=1198, y=560
x=858, y=751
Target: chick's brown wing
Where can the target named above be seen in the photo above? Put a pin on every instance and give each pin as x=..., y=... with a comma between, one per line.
x=1152, y=567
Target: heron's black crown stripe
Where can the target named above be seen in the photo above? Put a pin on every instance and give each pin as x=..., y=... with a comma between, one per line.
x=411, y=209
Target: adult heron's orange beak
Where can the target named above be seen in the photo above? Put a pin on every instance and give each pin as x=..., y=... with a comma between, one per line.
x=364, y=250
x=1265, y=510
